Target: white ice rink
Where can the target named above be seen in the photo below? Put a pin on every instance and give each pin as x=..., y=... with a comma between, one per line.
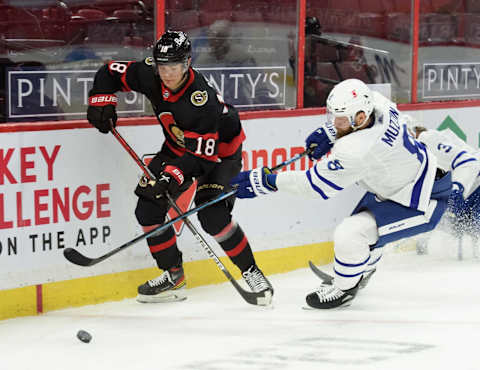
x=418, y=312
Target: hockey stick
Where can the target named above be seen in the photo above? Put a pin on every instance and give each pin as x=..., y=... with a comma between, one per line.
x=260, y=298
x=327, y=278
x=78, y=258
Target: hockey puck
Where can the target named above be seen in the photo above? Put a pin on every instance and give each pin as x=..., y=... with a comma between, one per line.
x=84, y=336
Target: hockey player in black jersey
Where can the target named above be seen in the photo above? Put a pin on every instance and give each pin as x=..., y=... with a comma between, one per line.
x=203, y=141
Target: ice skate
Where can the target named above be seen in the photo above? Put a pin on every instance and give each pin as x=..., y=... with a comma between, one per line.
x=258, y=283
x=168, y=287
x=329, y=296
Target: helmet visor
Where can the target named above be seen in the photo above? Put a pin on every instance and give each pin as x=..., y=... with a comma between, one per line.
x=341, y=122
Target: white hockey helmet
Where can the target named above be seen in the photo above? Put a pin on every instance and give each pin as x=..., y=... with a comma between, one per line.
x=347, y=99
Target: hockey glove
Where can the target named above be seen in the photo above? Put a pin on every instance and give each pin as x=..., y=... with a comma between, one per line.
x=259, y=181
x=169, y=181
x=101, y=111
x=318, y=144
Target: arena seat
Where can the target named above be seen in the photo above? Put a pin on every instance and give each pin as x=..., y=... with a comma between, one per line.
x=54, y=22
x=213, y=10
x=353, y=70
x=249, y=11
x=184, y=20
x=327, y=72
x=325, y=53
x=22, y=24
x=377, y=6
x=315, y=92
x=342, y=16
x=372, y=17
x=109, y=6
x=179, y=5
x=472, y=6
x=349, y=5
x=215, y=5
x=442, y=28
x=371, y=24
x=447, y=22
x=472, y=29
x=91, y=14
x=128, y=15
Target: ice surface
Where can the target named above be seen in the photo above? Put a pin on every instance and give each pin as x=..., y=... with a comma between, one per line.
x=418, y=312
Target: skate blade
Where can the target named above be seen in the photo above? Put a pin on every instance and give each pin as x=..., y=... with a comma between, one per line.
x=266, y=300
x=341, y=307
x=171, y=297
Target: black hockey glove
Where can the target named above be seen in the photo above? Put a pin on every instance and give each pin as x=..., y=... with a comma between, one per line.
x=169, y=181
x=101, y=111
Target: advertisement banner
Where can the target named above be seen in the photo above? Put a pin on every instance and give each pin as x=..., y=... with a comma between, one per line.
x=74, y=188
x=451, y=80
x=249, y=87
x=36, y=93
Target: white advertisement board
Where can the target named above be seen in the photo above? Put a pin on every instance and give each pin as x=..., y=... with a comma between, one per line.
x=74, y=188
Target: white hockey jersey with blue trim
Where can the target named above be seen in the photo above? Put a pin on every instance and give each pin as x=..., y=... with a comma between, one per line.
x=454, y=155
x=385, y=159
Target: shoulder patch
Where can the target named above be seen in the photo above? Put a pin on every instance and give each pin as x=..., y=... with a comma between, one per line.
x=199, y=98
x=149, y=61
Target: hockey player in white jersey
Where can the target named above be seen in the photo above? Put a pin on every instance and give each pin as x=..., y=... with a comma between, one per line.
x=464, y=162
x=320, y=141
x=406, y=193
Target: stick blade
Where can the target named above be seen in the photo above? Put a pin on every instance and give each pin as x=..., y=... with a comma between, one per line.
x=77, y=258
x=327, y=278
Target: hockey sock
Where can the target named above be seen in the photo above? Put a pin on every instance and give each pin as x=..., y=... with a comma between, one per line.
x=235, y=244
x=163, y=247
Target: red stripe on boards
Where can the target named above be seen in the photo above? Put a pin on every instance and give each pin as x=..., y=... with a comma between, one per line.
x=39, y=290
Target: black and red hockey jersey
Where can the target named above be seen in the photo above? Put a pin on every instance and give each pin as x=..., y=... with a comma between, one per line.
x=199, y=127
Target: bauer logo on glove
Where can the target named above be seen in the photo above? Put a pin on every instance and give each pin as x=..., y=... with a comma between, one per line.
x=169, y=181
x=259, y=181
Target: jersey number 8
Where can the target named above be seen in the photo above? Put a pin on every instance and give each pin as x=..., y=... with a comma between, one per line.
x=119, y=67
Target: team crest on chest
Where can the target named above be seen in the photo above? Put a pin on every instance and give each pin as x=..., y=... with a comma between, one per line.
x=199, y=98
x=149, y=61
x=179, y=135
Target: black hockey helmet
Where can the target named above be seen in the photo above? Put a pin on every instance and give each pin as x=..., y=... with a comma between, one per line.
x=172, y=47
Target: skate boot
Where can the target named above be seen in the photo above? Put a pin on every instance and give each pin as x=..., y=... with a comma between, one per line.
x=168, y=287
x=328, y=296
x=258, y=283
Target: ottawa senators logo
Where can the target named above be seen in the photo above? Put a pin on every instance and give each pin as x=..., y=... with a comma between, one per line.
x=179, y=135
x=199, y=98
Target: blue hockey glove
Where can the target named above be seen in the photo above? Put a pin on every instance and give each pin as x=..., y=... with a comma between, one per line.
x=318, y=143
x=259, y=181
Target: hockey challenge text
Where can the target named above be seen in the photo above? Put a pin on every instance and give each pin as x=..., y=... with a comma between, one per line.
x=22, y=206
